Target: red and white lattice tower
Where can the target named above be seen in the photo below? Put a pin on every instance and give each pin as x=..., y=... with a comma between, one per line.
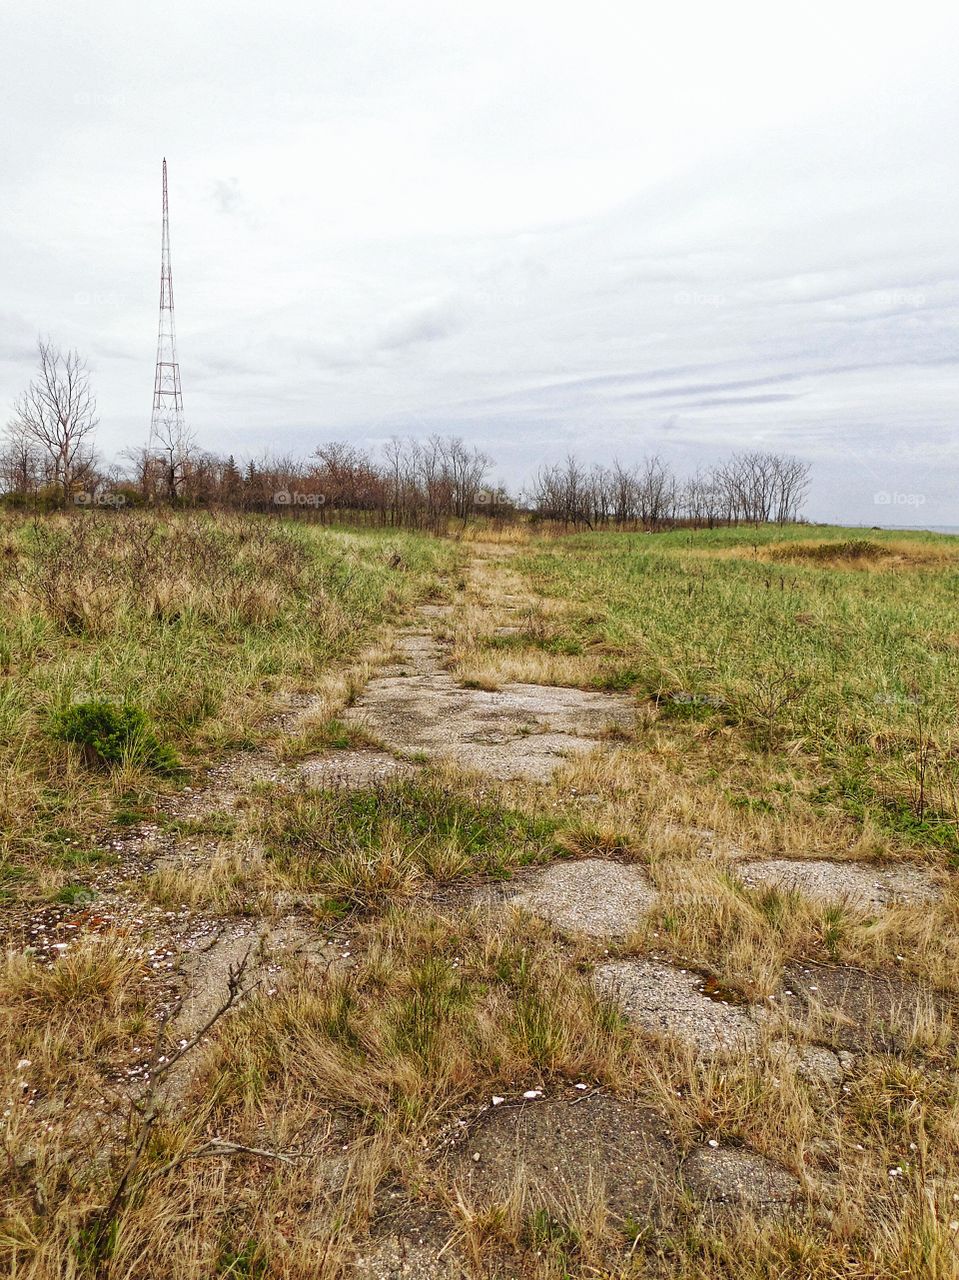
x=167, y=422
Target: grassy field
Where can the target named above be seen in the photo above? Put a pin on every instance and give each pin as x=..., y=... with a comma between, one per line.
x=795, y=694
x=827, y=659
x=198, y=623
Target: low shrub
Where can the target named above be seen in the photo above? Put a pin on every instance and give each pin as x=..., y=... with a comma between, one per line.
x=111, y=734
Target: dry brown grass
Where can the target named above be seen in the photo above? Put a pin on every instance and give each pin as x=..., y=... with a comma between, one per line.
x=355, y=1074
x=354, y=1077
x=863, y=554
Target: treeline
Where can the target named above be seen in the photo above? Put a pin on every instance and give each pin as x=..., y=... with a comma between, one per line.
x=749, y=488
x=411, y=483
x=48, y=459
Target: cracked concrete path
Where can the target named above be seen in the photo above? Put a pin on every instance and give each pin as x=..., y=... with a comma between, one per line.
x=354, y=770
x=731, y=1181
x=564, y=1148
x=862, y=885
x=679, y=1003
x=593, y=896
x=520, y=731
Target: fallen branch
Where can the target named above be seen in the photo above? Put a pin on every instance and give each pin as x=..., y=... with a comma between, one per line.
x=222, y=1147
x=149, y=1109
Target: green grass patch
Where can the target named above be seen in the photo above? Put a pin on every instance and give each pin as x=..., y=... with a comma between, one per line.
x=374, y=844
x=135, y=641
x=811, y=659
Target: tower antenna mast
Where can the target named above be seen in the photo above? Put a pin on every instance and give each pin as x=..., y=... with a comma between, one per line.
x=167, y=422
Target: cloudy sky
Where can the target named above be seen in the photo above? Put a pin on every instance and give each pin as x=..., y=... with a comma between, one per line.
x=614, y=228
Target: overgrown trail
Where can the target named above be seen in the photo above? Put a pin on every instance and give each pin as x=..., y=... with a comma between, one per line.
x=417, y=706
x=486, y=1028
x=581, y=1146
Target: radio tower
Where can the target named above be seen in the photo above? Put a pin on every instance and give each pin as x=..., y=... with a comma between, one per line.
x=166, y=424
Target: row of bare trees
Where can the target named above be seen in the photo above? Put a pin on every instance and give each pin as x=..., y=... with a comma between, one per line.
x=752, y=488
x=415, y=483
x=48, y=458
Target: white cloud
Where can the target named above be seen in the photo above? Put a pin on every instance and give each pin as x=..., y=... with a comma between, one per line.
x=687, y=227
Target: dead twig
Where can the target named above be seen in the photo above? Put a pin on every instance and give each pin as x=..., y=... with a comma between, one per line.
x=149, y=1109
x=222, y=1147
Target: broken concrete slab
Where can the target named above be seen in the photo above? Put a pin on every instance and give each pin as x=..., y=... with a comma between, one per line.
x=814, y=1062
x=855, y=1008
x=519, y=731
x=566, y=1151
x=861, y=884
x=408, y=1242
x=596, y=897
x=206, y=969
x=354, y=770
x=679, y=1003
x=732, y=1180
x=416, y=655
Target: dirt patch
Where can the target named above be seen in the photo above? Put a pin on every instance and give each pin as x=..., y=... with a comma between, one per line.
x=679, y=1003
x=598, y=898
x=856, y=1009
x=354, y=770
x=519, y=731
x=859, y=884
x=568, y=1153
x=731, y=1180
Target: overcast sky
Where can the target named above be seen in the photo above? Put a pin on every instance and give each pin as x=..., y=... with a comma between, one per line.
x=613, y=228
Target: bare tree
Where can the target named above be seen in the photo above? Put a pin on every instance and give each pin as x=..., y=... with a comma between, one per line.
x=57, y=415
x=21, y=466
x=657, y=493
x=175, y=443
x=624, y=488
x=791, y=487
x=425, y=483
x=144, y=471
x=465, y=470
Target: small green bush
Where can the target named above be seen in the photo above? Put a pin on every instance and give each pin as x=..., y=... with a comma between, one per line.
x=112, y=734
